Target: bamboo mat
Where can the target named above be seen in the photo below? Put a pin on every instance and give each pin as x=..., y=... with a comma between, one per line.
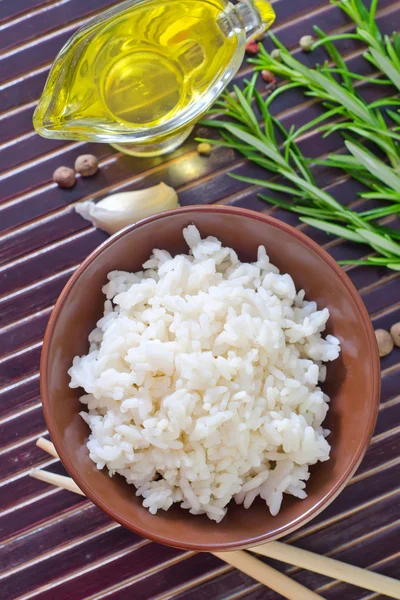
x=54, y=544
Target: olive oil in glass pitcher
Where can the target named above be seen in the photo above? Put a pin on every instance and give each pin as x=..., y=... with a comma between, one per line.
x=141, y=74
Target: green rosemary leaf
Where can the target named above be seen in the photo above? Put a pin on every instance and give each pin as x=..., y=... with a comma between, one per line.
x=346, y=7
x=340, y=161
x=288, y=145
x=251, y=117
x=263, y=162
x=389, y=196
x=332, y=90
x=294, y=148
x=301, y=167
x=375, y=166
x=358, y=77
x=385, y=102
x=342, y=232
x=372, y=261
x=214, y=123
x=394, y=116
x=333, y=38
x=268, y=184
x=296, y=208
x=251, y=88
x=380, y=241
x=314, y=191
x=396, y=43
x=384, y=129
x=362, y=11
x=316, y=121
x=370, y=134
x=277, y=42
x=368, y=39
x=388, y=231
x=262, y=145
x=336, y=57
x=377, y=213
x=358, y=262
x=390, y=49
x=266, y=116
x=372, y=12
x=379, y=260
x=386, y=66
x=280, y=90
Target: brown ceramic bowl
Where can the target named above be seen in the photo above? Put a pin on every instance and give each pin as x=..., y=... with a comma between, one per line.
x=353, y=380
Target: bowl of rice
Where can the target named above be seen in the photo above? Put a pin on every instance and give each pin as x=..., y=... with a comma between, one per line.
x=210, y=378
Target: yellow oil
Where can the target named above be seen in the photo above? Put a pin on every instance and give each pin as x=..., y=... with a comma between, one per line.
x=140, y=69
x=266, y=11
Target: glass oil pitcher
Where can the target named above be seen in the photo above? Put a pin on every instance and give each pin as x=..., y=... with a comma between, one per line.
x=141, y=74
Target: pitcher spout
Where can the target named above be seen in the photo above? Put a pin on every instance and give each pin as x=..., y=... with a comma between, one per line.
x=256, y=16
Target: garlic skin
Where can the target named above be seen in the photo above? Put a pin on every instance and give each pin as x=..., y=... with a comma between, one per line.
x=120, y=210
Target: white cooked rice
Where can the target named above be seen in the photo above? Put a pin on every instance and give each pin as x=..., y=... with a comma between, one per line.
x=202, y=381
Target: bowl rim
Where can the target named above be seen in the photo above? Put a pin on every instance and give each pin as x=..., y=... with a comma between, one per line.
x=358, y=453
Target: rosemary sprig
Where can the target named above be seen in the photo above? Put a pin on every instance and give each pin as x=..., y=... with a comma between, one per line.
x=383, y=52
x=356, y=116
x=353, y=116
x=259, y=143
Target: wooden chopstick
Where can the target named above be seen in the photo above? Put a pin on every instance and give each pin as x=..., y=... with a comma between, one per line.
x=283, y=552
x=58, y=480
x=243, y=561
x=275, y=580
x=47, y=446
x=331, y=568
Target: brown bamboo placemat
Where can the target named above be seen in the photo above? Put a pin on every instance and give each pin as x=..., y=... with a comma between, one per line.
x=58, y=546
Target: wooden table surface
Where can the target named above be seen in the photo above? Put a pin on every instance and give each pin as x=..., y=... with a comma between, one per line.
x=56, y=545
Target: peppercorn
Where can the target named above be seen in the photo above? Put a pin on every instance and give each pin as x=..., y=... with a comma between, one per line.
x=204, y=149
x=252, y=47
x=395, y=333
x=306, y=43
x=86, y=165
x=268, y=76
x=385, y=342
x=64, y=177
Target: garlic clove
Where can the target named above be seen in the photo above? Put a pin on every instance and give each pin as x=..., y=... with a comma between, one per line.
x=122, y=209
